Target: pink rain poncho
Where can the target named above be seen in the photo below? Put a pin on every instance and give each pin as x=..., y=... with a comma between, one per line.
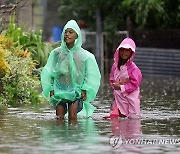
x=69, y=71
x=127, y=99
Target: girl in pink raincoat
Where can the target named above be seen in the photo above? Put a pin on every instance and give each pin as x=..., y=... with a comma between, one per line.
x=125, y=79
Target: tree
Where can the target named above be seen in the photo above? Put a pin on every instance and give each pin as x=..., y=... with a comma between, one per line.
x=86, y=10
x=172, y=9
x=140, y=10
x=143, y=13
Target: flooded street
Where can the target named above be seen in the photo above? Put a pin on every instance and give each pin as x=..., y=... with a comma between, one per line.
x=32, y=131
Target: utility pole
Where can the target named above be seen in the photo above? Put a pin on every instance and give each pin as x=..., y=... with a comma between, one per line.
x=99, y=42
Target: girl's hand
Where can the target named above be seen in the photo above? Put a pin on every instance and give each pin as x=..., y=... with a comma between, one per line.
x=51, y=93
x=83, y=95
x=116, y=86
x=123, y=81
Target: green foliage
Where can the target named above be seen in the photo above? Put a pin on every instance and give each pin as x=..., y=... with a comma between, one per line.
x=19, y=86
x=114, y=13
x=142, y=10
x=172, y=9
x=31, y=41
x=23, y=54
x=77, y=9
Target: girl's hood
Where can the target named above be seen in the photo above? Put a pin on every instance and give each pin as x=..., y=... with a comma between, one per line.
x=127, y=43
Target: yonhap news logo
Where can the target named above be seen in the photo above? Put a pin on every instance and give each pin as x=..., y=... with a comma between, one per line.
x=117, y=141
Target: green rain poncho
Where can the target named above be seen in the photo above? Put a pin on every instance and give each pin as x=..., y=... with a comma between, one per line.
x=69, y=71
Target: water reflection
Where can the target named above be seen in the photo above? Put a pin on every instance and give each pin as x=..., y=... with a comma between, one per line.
x=65, y=132
x=126, y=128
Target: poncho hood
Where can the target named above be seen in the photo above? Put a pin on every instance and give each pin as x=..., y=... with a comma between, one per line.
x=127, y=43
x=78, y=42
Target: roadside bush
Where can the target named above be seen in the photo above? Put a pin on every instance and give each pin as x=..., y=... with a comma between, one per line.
x=18, y=85
x=31, y=41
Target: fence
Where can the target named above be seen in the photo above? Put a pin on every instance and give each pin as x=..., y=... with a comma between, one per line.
x=153, y=61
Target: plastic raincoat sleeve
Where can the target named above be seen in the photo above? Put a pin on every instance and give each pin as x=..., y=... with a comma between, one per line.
x=92, y=79
x=47, y=75
x=135, y=81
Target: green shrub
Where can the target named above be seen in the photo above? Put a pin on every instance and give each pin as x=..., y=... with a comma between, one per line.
x=18, y=85
x=31, y=41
